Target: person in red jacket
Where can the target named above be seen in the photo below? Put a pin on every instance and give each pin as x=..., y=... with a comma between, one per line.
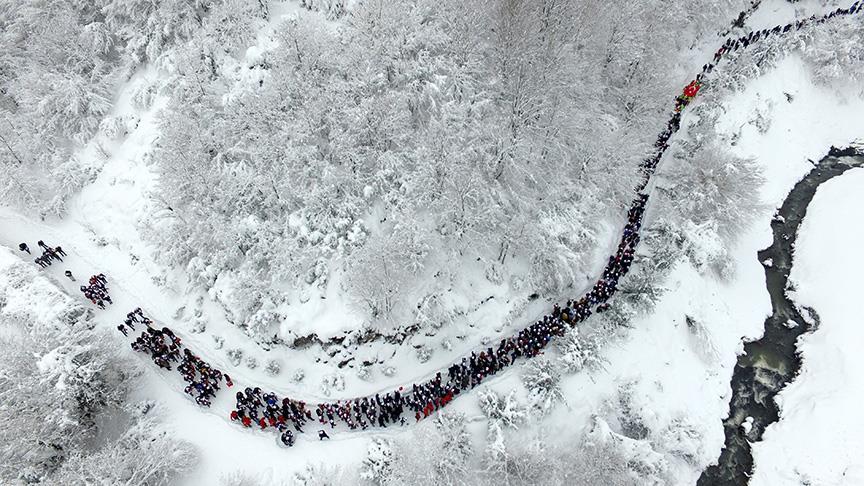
x=247, y=422
x=263, y=423
x=692, y=89
x=234, y=415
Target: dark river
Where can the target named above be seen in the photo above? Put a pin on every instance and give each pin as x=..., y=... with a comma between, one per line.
x=768, y=364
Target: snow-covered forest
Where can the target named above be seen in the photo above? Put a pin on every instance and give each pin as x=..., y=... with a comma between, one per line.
x=344, y=199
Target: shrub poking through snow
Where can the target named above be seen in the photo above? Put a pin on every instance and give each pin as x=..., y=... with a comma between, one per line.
x=376, y=467
x=199, y=325
x=332, y=382
x=503, y=409
x=543, y=380
x=235, y=355
x=364, y=373
x=424, y=353
x=273, y=367
x=298, y=375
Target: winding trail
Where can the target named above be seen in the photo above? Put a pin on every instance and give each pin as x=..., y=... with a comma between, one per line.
x=618, y=266
x=772, y=362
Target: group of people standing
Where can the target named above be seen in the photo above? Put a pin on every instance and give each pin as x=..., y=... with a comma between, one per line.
x=97, y=290
x=49, y=254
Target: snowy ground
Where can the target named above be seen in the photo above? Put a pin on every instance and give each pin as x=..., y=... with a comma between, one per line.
x=820, y=436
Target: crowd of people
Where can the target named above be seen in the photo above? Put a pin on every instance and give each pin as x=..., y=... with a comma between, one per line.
x=164, y=347
x=266, y=410
x=97, y=290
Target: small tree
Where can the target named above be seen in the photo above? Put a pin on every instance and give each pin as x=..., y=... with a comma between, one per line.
x=543, y=380
x=377, y=466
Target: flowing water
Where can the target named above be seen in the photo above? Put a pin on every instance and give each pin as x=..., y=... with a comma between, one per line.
x=768, y=364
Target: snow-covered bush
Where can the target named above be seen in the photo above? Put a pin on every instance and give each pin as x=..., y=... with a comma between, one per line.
x=143, y=454
x=364, y=373
x=709, y=199
x=574, y=352
x=388, y=371
x=433, y=312
x=446, y=344
x=322, y=475
x=235, y=356
x=260, y=325
x=376, y=466
x=424, y=353
x=274, y=367
x=542, y=377
x=199, y=325
x=298, y=375
x=684, y=439
x=251, y=362
x=436, y=453
x=332, y=382
x=503, y=409
x=238, y=478
x=630, y=413
x=112, y=127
